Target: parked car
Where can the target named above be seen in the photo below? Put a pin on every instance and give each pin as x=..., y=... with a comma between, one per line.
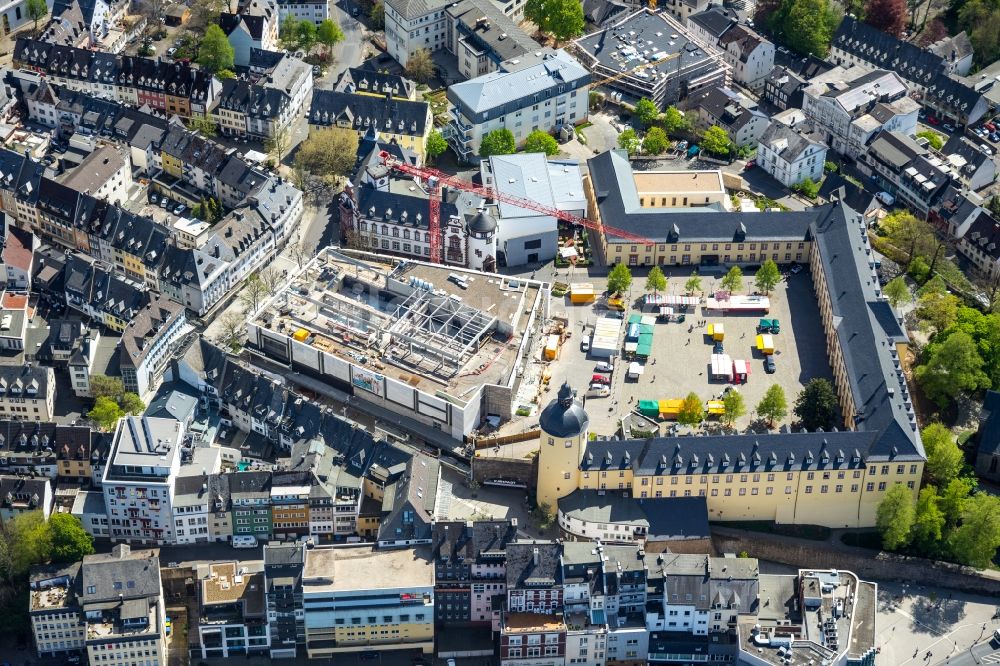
x=153, y=198
x=932, y=120
x=990, y=126
x=750, y=164
x=164, y=202
x=179, y=209
x=599, y=379
x=316, y=70
x=979, y=131
x=986, y=149
x=585, y=344
x=171, y=51
x=886, y=198
x=995, y=137
x=769, y=367
x=718, y=348
x=948, y=127
x=796, y=269
x=604, y=366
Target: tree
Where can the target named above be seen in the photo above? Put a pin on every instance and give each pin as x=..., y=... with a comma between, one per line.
x=288, y=31
x=895, y=517
x=328, y=34
x=646, y=111
x=29, y=540
x=816, y=405
x=655, y=141
x=233, y=330
x=952, y=500
x=420, y=66
x=674, y=121
x=203, y=125
x=953, y=366
x=655, y=281
x=253, y=293
x=105, y=413
x=933, y=139
x=944, y=458
x=36, y=11
x=807, y=188
x=216, y=53
x=436, y=145
x=107, y=387
x=498, y=142
x=938, y=309
x=733, y=280
x=563, y=19
x=887, y=15
x=271, y=278
x=299, y=253
x=716, y=141
x=806, y=26
x=976, y=541
x=619, y=279
x=328, y=153
x=203, y=12
x=897, y=292
x=928, y=521
x=692, y=412
x=735, y=406
x=693, y=284
x=377, y=15
x=277, y=143
x=541, y=141
x=906, y=232
x=306, y=35
x=773, y=405
x=132, y=404
x=628, y=141
x=70, y=542
x=766, y=277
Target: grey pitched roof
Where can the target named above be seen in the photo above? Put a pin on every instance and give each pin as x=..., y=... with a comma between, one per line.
x=26, y=380
x=524, y=572
x=714, y=20
x=394, y=116
x=989, y=427
x=470, y=541
x=788, y=142
x=173, y=400
x=884, y=51
x=411, y=9
x=498, y=36
x=120, y=574
x=857, y=198
x=411, y=503
x=663, y=518
x=564, y=416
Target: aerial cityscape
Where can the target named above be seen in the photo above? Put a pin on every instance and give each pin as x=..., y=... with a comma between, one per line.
x=488, y=333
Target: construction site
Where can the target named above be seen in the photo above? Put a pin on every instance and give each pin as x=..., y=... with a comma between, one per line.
x=441, y=345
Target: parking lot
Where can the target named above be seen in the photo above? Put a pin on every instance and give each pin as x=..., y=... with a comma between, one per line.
x=680, y=362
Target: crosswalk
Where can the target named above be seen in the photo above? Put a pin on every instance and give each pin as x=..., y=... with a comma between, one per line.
x=993, y=658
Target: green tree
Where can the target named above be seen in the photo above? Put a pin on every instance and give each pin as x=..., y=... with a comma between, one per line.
x=944, y=458
x=953, y=367
x=675, y=121
x=498, y=142
x=306, y=35
x=693, y=284
x=420, y=66
x=436, y=145
x=233, y=333
x=953, y=499
x=692, y=412
x=773, y=405
x=70, y=542
x=976, y=541
x=928, y=521
x=215, y=53
x=132, y=404
x=377, y=15
x=934, y=139
x=938, y=309
x=807, y=188
x=897, y=292
x=328, y=34
x=767, y=276
x=104, y=386
x=541, y=141
x=656, y=281
x=895, y=517
x=288, y=31
x=328, y=153
x=806, y=26
x=563, y=19
x=911, y=235
x=735, y=406
x=647, y=112
x=628, y=141
x=733, y=280
x=716, y=141
x=816, y=405
x=105, y=413
x=36, y=11
x=619, y=279
x=655, y=141
x=203, y=125
x=28, y=540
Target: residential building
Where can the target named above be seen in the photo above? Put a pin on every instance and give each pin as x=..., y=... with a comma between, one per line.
x=684, y=9
x=250, y=497
x=602, y=13
x=284, y=566
x=955, y=100
x=27, y=392
x=750, y=56
x=405, y=122
x=58, y=452
x=358, y=599
x=19, y=495
x=360, y=81
x=976, y=170
x=232, y=612
x=15, y=312
x=148, y=342
x=94, y=290
x=138, y=482
x=734, y=112
x=837, y=188
x=409, y=505
x=977, y=239
x=253, y=26
x=532, y=624
x=687, y=64
x=911, y=172
x=105, y=174
x=17, y=258
x=469, y=570
x=316, y=11
x=482, y=37
x=90, y=510
x=541, y=91
x=262, y=107
x=791, y=154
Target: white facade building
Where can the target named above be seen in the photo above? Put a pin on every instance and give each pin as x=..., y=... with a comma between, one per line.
x=790, y=155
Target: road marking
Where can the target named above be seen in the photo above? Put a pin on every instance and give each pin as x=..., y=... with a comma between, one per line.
x=993, y=658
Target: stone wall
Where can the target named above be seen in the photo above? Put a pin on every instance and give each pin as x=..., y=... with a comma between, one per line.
x=867, y=564
x=522, y=470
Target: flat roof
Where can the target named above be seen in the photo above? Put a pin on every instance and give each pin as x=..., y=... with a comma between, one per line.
x=145, y=441
x=228, y=583
x=528, y=622
x=678, y=182
x=364, y=568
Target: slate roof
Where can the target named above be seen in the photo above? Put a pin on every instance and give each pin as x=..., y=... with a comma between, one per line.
x=151, y=321
x=663, y=518
x=788, y=142
x=392, y=116
x=499, y=37
x=120, y=574
x=951, y=93
x=356, y=79
x=600, y=12
x=884, y=51
x=410, y=503
x=411, y=9
x=715, y=20
x=564, y=416
x=856, y=198
x=984, y=234
x=26, y=380
x=989, y=428
x=454, y=539
x=27, y=492
x=970, y=153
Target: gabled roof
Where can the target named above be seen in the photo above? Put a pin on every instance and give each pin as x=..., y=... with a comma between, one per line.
x=360, y=112
x=411, y=502
x=148, y=324
x=884, y=51
x=715, y=21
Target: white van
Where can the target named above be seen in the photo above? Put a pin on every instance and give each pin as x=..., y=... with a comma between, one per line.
x=244, y=541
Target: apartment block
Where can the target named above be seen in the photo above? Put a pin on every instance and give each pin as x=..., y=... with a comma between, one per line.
x=232, y=612
x=283, y=593
x=20, y=495
x=27, y=393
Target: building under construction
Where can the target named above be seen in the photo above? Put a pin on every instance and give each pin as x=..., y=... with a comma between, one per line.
x=622, y=56
x=440, y=345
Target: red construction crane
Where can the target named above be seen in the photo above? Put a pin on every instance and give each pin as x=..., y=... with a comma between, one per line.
x=435, y=179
